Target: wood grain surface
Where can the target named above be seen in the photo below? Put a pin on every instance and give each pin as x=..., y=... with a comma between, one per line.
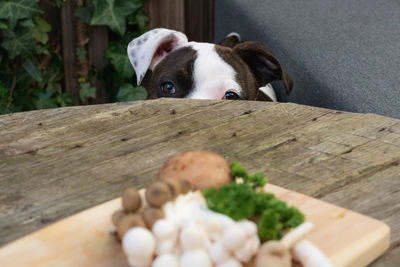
x=54, y=163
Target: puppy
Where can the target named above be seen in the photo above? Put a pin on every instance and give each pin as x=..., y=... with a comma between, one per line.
x=228, y=70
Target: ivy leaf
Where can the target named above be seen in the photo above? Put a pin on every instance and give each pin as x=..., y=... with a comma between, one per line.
x=113, y=13
x=128, y=92
x=83, y=13
x=45, y=101
x=39, y=36
x=42, y=50
x=14, y=10
x=42, y=24
x=81, y=54
x=86, y=91
x=118, y=57
x=3, y=25
x=26, y=23
x=32, y=67
x=19, y=43
x=140, y=19
x=40, y=30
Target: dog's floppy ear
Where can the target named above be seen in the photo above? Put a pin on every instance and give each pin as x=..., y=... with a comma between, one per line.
x=263, y=63
x=147, y=50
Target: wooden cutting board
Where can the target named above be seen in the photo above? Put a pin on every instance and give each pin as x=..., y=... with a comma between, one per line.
x=84, y=239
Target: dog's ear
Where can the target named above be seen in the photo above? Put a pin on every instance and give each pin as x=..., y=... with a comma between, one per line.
x=231, y=40
x=263, y=63
x=147, y=50
x=266, y=93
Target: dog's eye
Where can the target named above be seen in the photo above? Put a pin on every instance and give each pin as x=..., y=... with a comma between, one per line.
x=231, y=95
x=168, y=88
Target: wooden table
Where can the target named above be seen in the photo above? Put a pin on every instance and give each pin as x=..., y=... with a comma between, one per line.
x=54, y=163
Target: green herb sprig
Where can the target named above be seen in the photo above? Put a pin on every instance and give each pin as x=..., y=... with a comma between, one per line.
x=241, y=201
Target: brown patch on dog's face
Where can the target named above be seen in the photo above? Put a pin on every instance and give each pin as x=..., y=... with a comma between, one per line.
x=244, y=75
x=172, y=77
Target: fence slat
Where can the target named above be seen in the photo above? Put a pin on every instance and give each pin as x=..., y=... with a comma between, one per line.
x=98, y=45
x=199, y=20
x=167, y=14
x=68, y=46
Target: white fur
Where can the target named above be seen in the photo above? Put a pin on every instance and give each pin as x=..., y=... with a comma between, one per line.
x=269, y=91
x=141, y=50
x=212, y=76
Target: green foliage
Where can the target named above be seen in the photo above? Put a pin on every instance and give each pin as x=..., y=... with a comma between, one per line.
x=116, y=54
x=128, y=92
x=112, y=13
x=31, y=71
x=87, y=91
x=13, y=10
x=234, y=200
x=256, y=180
x=242, y=200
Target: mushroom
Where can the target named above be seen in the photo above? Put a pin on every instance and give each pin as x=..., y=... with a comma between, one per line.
x=158, y=194
x=297, y=234
x=174, y=187
x=273, y=253
x=309, y=255
x=151, y=215
x=193, y=236
x=195, y=258
x=164, y=260
x=164, y=229
x=218, y=253
x=117, y=216
x=185, y=186
x=234, y=237
x=139, y=245
x=137, y=263
x=231, y=262
x=131, y=200
x=203, y=169
x=127, y=222
x=166, y=246
x=213, y=227
x=247, y=251
x=249, y=227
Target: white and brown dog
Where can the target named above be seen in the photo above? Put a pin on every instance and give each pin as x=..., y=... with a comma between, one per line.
x=228, y=70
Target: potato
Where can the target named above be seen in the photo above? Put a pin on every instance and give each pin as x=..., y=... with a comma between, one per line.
x=203, y=169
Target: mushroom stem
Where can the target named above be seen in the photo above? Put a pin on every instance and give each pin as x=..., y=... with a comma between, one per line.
x=297, y=234
x=309, y=255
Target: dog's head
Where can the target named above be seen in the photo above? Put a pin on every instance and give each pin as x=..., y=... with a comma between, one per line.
x=203, y=70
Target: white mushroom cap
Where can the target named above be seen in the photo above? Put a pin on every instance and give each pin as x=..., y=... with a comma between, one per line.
x=213, y=228
x=139, y=244
x=137, y=263
x=165, y=260
x=218, y=253
x=193, y=237
x=234, y=237
x=232, y=262
x=249, y=227
x=165, y=229
x=195, y=258
x=165, y=246
x=247, y=251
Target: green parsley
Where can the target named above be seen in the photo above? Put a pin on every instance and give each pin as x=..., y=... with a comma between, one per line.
x=241, y=201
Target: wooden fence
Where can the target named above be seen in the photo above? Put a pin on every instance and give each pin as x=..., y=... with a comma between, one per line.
x=193, y=17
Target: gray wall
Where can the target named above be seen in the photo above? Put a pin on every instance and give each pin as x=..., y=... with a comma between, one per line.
x=341, y=54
